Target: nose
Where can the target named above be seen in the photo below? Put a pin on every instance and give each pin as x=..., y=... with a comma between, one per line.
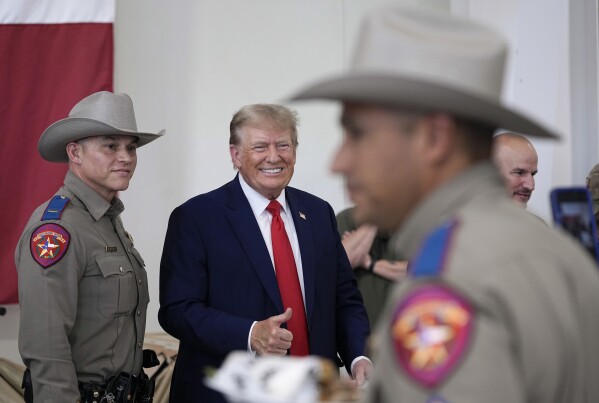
x=529, y=182
x=124, y=155
x=273, y=154
x=341, y=159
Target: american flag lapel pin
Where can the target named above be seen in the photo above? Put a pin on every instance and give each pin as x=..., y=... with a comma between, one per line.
x=302, y=215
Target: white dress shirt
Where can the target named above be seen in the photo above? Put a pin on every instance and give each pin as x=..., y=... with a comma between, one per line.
x=258, y=203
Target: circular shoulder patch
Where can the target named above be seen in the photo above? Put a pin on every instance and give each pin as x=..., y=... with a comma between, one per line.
x=430, y=331
x=49, y=243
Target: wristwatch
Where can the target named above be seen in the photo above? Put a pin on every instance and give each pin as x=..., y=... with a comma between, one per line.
x=371, y=266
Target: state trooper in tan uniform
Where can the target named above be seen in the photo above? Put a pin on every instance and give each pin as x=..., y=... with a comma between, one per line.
x=83, y=287
x=498, y=307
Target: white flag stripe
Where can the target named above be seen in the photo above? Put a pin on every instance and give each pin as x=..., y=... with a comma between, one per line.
x=56, y=11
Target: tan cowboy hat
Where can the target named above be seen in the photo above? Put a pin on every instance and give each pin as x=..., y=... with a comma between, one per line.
x=99, y=114
x=429, y=61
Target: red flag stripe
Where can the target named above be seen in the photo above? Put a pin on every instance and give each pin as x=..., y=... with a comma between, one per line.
x=44, y=71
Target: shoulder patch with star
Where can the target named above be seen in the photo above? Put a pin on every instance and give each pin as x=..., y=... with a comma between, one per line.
x=49, y=243
x=430, y=333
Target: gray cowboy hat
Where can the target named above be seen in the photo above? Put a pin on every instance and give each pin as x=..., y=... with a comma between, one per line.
x=99, y=114
x=428, y=61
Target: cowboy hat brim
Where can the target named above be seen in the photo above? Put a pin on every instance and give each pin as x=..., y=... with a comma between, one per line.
x=53, y=141
x=396, y=91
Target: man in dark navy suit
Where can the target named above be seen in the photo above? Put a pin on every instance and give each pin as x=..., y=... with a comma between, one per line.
x=258, y=266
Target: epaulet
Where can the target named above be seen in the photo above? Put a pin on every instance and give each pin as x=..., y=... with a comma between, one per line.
x=430, y=261
x=55, y=207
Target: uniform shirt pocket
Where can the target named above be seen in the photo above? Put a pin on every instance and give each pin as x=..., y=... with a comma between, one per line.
x=118, y=291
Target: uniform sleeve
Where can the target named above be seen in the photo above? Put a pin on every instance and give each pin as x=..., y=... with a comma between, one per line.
x=48, y=307
x=482, y=340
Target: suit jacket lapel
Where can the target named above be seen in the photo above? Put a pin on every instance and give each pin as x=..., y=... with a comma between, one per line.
x=243, y=222
x=306, y=242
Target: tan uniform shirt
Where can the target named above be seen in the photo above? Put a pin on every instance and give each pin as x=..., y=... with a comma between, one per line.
x=519, y=318
x=83, y=317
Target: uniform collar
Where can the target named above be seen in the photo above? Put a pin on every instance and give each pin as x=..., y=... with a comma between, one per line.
x=480, y=181
x=95, y=204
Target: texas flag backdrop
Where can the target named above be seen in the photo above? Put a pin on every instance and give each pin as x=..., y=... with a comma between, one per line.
x=53, y=53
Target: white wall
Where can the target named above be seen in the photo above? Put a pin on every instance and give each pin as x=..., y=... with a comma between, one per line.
x=189, y=65
x=214, y=57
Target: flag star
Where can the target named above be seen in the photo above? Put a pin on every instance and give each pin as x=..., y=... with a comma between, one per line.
x=428, y=345
x=47, y=247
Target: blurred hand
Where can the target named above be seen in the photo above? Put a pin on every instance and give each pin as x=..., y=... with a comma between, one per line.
x=268, y=337
x=362, y=371
x=357, y=244
x=391, y=270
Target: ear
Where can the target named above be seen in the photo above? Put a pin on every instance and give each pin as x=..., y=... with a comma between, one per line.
x=440, y=137
x=235, y=155
x=74, y=152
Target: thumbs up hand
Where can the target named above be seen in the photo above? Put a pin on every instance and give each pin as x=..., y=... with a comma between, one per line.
x=268, y=337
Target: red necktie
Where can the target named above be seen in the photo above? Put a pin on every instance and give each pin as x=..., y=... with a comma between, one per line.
x=288, y=281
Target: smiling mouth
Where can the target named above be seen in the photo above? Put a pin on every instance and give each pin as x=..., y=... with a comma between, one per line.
x=523, y=195
x=271, y=170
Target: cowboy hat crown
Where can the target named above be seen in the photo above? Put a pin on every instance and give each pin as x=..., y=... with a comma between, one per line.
x=430, y=61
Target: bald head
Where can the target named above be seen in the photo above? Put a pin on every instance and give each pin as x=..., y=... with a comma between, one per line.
x=517, y=161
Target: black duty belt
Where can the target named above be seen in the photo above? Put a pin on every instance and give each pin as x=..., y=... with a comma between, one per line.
x=91, y=392
x=121, y=388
